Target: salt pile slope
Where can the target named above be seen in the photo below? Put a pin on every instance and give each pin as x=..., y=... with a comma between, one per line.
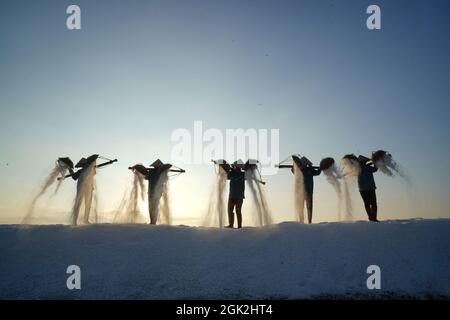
x=288, y=260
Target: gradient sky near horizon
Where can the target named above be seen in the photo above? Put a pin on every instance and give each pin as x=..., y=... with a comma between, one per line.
x=137, y=70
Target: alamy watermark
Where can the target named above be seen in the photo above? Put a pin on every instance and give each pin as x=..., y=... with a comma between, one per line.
x=374, y=280
x=73, y=21
x=74, y=280
x=373, y=22
x=199, y=146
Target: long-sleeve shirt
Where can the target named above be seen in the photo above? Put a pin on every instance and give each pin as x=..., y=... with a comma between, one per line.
x=237, y=184
x=365, y=178
x=153, y=176
x=308, y=178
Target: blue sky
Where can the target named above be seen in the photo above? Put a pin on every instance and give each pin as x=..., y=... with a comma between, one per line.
x=137, y=70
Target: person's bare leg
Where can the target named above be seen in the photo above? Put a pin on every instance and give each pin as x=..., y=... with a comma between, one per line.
x=230, y=213
x=374, y=206
x=367, y=205
x=239, y=213
x=154, y=211
x=150, y=207
x=309, y=207
x=151, y=214
x=153, y=208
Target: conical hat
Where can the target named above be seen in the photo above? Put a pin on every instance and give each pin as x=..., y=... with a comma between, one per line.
x=140, y=168
x=92, y=158
x=157, y=163
x=81, y=163
x=363, y=159
x=251, y=164
x=297, y=161
x=238, y=164
x=377, y=155
x=84, y=162
x=66, y=161
x=223, y=164
x=221, y=161
x=350, y=156
x=326, y=163
x=305, y=161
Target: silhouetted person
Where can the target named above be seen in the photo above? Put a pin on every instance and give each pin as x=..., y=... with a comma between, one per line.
x=237, y=194
x=367, y=187
x=85, y=187
x=155, y=184
x=85, y=183
x=309, y=172
x=154, y=194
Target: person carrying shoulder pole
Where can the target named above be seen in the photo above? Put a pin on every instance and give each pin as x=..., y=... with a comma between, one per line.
x=236, y=175
x=157, y=175
x=308, y=172
x=367, y=187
